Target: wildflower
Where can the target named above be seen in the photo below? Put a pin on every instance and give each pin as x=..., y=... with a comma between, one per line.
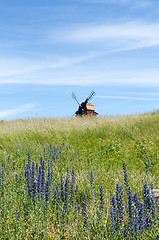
x=113, y=214
x=120, y=204
x=47, y=191
x=125, y=175
x=66, y=194
x=2, y=181
x=101, y=207
x=43, y=181
x=29, y=161
x=73, y=187
x=85, y=212
x=16, y=178
x=62, y=189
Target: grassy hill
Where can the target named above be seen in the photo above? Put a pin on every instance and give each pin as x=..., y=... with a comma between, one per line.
x=81, y=153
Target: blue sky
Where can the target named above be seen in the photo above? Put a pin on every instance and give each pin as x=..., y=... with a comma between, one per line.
x=50, y=48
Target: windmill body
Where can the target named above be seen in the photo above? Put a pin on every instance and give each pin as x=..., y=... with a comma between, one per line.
x=85, y=108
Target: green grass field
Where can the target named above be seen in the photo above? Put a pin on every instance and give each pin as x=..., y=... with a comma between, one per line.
x=77, y=162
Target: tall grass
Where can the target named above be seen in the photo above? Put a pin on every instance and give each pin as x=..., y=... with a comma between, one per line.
x=56, y=177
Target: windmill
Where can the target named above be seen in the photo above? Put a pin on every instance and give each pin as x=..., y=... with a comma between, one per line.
x=85, y=108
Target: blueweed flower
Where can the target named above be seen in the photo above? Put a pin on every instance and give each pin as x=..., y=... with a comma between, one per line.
x=139, y=213
x=72, y=193
x=34, y=190
x=47, y=192
x=85, y=212
x=41, y=161
x=66, y=194
x=43, y=182
x=101, y=207
x=68, y=174
x=76, y=192
x=63, y=220
x=135, y=220
x=29, y=161
x=39, y=184
x=43, y=165
x=126, y=233
x=49, y=175
x=3, y=164
x=2, y=181
x=33, y=174
x=120, y=203
x=149, y=206
x=130, y=204
x=23, y=193
x=27, y=176
x=40, y=169
x=73, y=175
x=37, y=166
x=16, y=178
x=62, y=189
x=113, y=214
x=125, y=176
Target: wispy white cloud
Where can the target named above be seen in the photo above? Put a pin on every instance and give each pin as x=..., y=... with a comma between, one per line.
x=134, y=3
x=15, y=111
x=129, y=98
x=12, y=69
x=121, y=36
x=83, y=75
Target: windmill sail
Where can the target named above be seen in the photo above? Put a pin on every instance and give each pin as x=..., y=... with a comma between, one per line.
x=74, y=97
x=90, y=96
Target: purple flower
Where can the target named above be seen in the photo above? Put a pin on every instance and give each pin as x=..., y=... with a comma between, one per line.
x=120, y=203
x=125, y=176
x=85, y=212
x=2, y=181
x=43, y=182
x=29, y=161
x=66, y=194
x=113, y=214
x=62, y=189
x=72, y=198
x=16, y=178
x=47, y=192
x=101, y=207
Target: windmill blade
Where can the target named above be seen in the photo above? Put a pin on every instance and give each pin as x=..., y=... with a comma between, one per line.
x=90, y=96
x=74, y=97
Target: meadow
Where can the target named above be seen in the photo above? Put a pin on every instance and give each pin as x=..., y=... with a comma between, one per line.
x=79, y=178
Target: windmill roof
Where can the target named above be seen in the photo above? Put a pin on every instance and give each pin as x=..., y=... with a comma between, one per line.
x=90, y=106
